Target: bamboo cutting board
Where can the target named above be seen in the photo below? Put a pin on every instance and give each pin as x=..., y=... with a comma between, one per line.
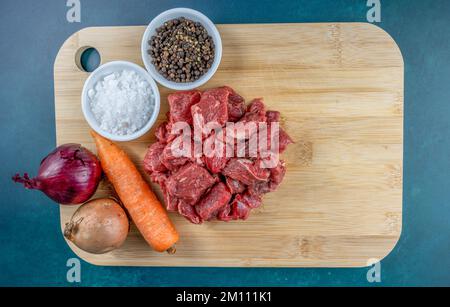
x=339, y=88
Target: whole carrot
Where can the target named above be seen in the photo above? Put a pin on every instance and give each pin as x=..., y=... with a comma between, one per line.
x=142, y=204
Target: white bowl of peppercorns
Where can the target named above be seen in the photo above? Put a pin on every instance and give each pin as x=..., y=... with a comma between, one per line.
x=181, y=49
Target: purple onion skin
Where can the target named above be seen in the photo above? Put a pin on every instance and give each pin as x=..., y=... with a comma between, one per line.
x=70, y=174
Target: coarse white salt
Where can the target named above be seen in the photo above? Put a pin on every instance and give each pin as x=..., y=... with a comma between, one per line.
x=122, y=102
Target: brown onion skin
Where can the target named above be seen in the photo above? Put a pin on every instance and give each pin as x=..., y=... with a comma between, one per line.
x=70, y=174
x=98, y=226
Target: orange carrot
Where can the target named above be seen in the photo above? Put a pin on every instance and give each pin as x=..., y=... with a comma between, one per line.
x=144, y=207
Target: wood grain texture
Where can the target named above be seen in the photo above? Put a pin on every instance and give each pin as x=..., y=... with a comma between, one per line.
x=339, y=88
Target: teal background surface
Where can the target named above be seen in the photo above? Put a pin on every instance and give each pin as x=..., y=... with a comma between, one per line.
x=32, y=249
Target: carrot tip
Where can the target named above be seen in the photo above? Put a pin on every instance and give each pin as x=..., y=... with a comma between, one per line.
x=171, y=250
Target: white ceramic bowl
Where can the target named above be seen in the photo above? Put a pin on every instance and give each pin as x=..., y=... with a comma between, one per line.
x=192, y=15
x=99, y=74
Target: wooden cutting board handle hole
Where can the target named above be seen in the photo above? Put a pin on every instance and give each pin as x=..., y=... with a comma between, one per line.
x=87, y=59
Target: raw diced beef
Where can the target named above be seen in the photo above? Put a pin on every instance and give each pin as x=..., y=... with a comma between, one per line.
x=215, y=164
x=180, y=105
x=152, y=159
x=252, y=201
x=210, y=184
x=188, y=212
x=189, y=182
x=213, y=107
x=161, y=133
x=240, y=207
x=273, y=116
x=170, y=160
x=243, y=130
x=245, y=171
x=171, y=201
x=236, y=105
x=277, y=174
x=256, y=111
x=214, y=160
x=239, y=210
x=234, y=185
x=209, y=205
x=224, y=213
x=241, y=148
x=259, y=188
x=200, y=161
x=159, y=178
x=284, y=140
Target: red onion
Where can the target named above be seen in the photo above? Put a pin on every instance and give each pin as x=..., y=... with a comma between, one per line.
x=69, y=175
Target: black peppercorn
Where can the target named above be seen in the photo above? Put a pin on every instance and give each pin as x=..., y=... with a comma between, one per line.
x=181, y=50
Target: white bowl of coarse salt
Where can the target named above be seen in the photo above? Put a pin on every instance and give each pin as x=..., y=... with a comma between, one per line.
x=120, y=101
